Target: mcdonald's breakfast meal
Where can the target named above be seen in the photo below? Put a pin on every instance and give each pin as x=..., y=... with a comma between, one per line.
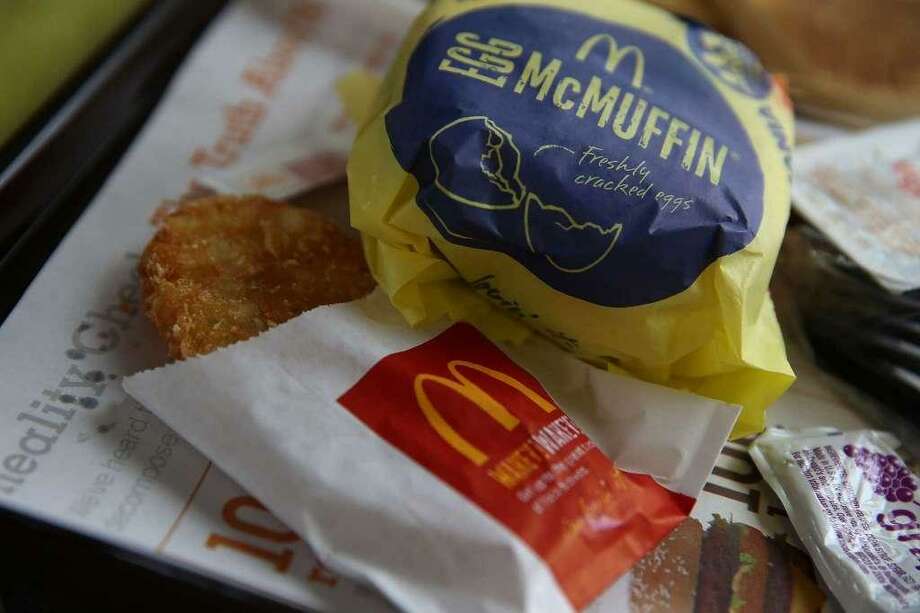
x=506, y=387
x=853, y=502
x=450, y=473
x=619, y=185
x=608, y=175
x=222, y=269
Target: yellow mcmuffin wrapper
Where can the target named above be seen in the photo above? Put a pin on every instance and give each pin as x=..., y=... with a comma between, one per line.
x=608, y=175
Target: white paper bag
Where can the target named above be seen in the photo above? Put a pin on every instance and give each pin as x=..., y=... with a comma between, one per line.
x=364, y=437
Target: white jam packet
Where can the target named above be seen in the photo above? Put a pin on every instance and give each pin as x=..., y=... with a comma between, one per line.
x=448, y=473
x=854, y=505
x=863, y=192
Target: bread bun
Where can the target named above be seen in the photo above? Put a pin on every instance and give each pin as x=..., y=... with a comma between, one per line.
x=853, y=61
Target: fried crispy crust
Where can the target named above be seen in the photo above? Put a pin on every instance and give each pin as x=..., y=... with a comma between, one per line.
x=222, y=269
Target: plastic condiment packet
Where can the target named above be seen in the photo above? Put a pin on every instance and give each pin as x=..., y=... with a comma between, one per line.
x=863, y=192
x=436, y=466
x=853, y=503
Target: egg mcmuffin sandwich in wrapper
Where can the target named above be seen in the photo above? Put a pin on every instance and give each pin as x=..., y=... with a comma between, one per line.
x=604, y=173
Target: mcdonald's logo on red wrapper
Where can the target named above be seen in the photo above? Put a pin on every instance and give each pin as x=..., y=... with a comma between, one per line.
x=458, y=406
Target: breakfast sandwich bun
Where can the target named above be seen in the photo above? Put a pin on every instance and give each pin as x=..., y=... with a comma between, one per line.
x=848, y=61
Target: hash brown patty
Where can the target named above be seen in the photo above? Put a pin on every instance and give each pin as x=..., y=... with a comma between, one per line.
x=222, y=269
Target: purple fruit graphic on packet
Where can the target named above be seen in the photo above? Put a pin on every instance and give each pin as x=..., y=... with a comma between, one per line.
x=889, y=476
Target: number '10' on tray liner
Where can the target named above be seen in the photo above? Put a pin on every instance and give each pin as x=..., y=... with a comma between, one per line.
x=607, y=174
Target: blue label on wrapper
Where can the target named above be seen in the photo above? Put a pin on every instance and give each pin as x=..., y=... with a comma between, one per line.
x=602, y=159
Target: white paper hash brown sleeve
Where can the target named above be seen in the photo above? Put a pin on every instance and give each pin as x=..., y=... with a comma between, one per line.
x=265, y=410
x=74, y=450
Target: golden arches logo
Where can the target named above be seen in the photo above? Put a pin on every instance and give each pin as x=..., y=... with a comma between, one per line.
x=615, y=55
x=462, y=386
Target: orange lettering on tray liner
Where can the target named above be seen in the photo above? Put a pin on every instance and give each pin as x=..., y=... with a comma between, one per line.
x=461, y=408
